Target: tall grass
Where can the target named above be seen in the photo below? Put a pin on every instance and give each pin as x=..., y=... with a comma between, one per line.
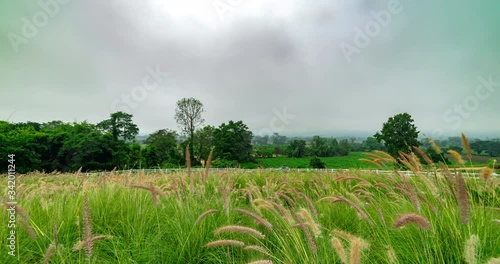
x=437, y=216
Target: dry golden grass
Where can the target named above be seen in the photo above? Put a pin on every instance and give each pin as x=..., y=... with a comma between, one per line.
x=485, y=173
x=435, y=147
x=339, y=248
x=465, y=143
x=456, y=157
x=357, y=247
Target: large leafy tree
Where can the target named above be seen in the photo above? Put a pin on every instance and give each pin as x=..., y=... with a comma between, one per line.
x=203, y=142
x=188, y=117
x=319, y=146
x=120, y=126
x=233, y=142
x=398, y=134
x=164, y=145
x=25, y=143
x=86, y=147
x=61, y=146
x=344, y=147
x=371, y=143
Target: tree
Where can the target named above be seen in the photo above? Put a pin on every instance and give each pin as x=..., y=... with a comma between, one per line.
x=432, y=154
x=491, y=147
x=61, y=146
x=23, y=142
x=278, y=139
x=203, y=142
x=233, y=142
x=371, y=143
x=398, y=134
x=343, y=147
x=120, y=126
x=260, y=140
x=316, y=163
x=333, y=147
x=86, y=147
x=263, y=151
x=319, y=146
x=297, y=148
x=164, y=143
x=188, y=117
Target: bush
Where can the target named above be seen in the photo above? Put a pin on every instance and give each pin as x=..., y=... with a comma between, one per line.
x=316, y=163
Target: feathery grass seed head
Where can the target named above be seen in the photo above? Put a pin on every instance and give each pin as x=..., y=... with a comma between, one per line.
x=405, y=219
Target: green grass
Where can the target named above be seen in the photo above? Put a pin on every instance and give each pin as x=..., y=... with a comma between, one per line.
x=341, y=162
x=145, y=232
x=352, y=161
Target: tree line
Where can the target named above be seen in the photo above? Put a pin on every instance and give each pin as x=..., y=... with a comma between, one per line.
x=109, y=144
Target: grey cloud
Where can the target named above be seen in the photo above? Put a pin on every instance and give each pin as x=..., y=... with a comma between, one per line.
x=427, y=60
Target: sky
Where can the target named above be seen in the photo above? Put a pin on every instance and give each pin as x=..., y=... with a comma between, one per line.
x=294, y=67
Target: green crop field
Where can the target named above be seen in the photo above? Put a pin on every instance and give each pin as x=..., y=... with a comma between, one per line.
x=341, y=162
x=259, y=216
x=352, y=161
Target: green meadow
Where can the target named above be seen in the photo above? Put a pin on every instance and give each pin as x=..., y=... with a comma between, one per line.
x=257, y=216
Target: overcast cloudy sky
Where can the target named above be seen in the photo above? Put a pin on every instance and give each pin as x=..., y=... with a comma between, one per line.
x=297, y=67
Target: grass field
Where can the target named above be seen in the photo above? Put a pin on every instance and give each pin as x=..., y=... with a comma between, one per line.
x=250, y=216
x=341, y=162
x=352, y=161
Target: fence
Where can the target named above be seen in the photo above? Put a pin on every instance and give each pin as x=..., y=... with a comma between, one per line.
x=154, y=171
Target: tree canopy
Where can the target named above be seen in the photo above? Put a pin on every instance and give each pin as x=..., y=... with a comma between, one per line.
x=399, y=134
x=233, y=142
x=120, y=126
x=188, y=117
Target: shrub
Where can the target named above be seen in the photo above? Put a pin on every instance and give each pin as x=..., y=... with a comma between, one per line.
x=316, y=163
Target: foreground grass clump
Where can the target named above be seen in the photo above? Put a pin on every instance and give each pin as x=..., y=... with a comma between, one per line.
x=256, y=217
